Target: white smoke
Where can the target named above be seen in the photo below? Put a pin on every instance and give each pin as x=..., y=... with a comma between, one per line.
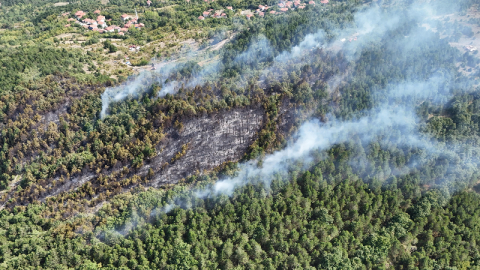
x=390, y=114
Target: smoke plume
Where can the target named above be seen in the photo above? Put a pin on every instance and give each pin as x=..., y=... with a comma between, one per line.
x=395, y=104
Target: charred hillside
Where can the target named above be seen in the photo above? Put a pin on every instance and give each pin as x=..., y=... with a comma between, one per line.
x=73, y=160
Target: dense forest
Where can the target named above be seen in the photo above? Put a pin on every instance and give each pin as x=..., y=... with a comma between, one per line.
x=77, y=187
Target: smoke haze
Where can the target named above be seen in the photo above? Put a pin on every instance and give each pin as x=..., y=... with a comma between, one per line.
x=393, y=113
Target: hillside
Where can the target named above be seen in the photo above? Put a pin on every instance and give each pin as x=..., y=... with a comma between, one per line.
x=239, y=135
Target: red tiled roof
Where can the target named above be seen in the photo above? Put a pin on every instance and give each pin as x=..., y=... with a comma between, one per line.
x=96, y=12
x=125, y=16
x=312, y=2
x=284, y=9
x=67, y=25
x=121, y=33
x=201, y=18
x=124, y=29
x=324, y=1
x=272, y=12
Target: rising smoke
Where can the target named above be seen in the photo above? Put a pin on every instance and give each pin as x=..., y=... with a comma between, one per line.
x=394, y=110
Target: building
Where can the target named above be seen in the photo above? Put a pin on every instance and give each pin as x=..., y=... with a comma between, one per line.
x=283, y=9
x=205, y=14
x=67, y=25
x=261, y=14
x=201, y=18
x=262, y=8
x=79, y=14
x=230, y=8
x=110, y=29
x=324, y=2
x=312, y=3
x=121, y=33
x=248, y=16
x=149, y=2
x=125, y=17
x=96, y=12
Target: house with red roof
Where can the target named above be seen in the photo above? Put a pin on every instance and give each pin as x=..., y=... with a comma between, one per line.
x=324, y=2
x=79, y=14
x=96, y=12
x=249, y=16
x=110, y=29
x=125, y=17
x=121, y=33
x=283, y=9
x=149, y=2
x=67, y=25
x=230, y=8
x=201, y=18
x=71, y=20
x=261, y=14
x=312, y=3
x=262, y=8
x=281, y=5
x=272, y=12
x=205, y=14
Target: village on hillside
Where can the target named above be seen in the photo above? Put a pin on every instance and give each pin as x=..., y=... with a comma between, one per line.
x=283, y=6
x=100, y=24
